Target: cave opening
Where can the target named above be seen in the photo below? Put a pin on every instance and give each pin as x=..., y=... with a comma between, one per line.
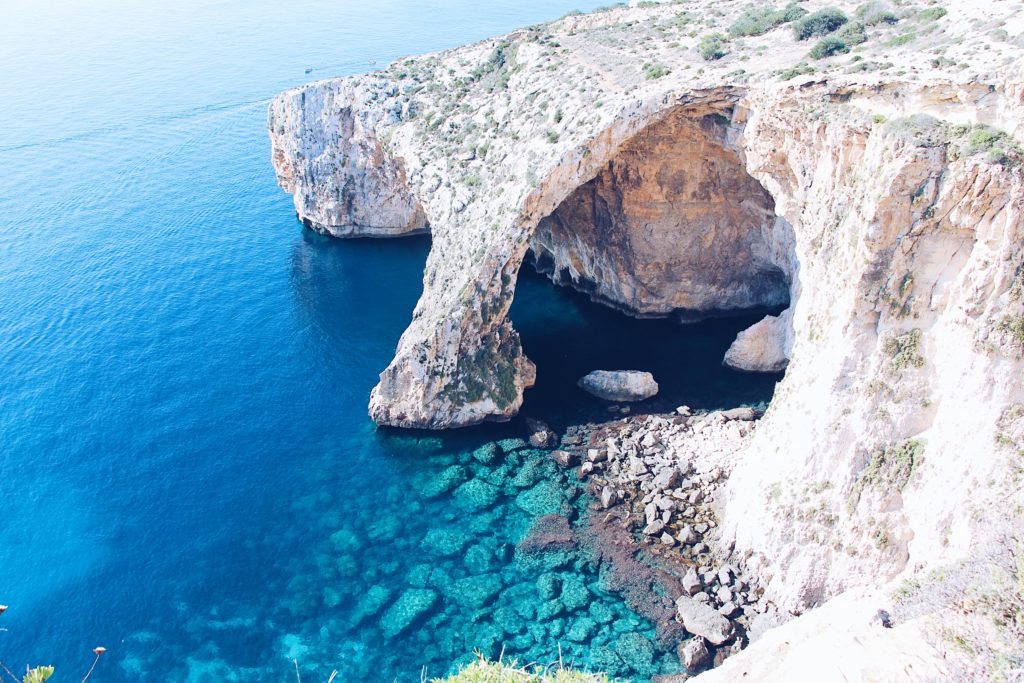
x=671, y=230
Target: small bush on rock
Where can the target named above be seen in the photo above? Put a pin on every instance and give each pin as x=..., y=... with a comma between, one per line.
x=821, y=23
x=712, y=46
x=828, y=46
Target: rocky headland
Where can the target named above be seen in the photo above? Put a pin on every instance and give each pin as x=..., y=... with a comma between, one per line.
x=856, y=163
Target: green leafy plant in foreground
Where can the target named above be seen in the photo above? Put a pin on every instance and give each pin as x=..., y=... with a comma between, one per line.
x=40, y=674
x=483, y=671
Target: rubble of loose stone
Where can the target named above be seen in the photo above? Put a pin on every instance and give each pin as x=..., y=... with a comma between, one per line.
x=659, y=478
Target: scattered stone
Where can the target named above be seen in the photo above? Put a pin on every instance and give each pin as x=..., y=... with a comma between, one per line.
x=687, y=535
x=564, y=459
x=608, y=497
x=883, y=618
x=619, y=385
x=742, y=413
x=691, y=582
x=694, y=653
x=412, y=606
x=702, y=620
x=541, y=435
x=729, y=609
x=595, y=455
x=666, y=539
x=654, y=528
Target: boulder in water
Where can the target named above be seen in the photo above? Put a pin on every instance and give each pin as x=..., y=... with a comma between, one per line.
x=619, y=385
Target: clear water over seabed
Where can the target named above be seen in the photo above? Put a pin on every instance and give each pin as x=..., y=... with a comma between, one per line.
x=187, y=473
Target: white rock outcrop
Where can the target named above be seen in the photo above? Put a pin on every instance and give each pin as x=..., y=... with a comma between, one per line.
x=882, y=189
x=619, y=385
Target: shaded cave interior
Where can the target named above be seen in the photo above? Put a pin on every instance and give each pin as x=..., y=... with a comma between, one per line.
x=672, y=228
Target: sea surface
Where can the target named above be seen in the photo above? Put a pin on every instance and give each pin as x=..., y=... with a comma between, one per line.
x=187, y=473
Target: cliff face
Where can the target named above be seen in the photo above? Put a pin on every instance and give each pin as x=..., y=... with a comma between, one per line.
x=657, y=181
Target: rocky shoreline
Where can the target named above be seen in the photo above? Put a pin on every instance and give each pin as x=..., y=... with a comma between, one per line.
x=655, y=483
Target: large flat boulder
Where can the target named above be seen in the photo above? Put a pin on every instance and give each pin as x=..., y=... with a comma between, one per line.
x=703, y=620
x=619, y=385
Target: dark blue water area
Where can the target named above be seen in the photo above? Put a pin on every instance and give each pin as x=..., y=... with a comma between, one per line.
x=187, y=473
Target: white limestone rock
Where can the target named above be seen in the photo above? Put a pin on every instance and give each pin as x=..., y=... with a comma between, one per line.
x=619, y=385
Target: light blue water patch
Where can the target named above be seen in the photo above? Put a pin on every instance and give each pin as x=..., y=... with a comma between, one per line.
x=187, y=473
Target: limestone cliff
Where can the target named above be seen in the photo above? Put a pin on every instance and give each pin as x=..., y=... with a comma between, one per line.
x=640, y=164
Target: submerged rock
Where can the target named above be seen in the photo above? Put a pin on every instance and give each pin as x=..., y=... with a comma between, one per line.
x=619, y=385
x=413, y=604
x=475, y=591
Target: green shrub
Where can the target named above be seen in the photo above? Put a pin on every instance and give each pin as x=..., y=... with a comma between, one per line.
x=828, y=46
x=800, y=69
x=853, y=33
x=482, y=671
x=874, y=13
x=902, y=39
x=905, y=350
x=998, y=147
x=932, y=14
x=820, y=23
x=551, y=136
x=656, y=71
x=712, y=46
x=756, y=22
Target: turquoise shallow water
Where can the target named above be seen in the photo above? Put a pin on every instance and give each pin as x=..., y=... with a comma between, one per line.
x=187, y=473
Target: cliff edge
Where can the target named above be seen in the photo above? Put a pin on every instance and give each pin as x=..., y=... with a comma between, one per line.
x=698, y=157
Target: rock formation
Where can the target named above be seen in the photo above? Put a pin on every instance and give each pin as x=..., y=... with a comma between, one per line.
x=619, y=385
x=878, y=193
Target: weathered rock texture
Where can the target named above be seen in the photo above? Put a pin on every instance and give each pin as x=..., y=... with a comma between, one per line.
x=895, y=433
x=672, y=222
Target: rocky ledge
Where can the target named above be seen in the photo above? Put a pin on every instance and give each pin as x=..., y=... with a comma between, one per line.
x=656, y=480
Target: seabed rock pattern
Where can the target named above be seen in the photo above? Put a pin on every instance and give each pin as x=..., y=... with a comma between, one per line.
x=496, y=558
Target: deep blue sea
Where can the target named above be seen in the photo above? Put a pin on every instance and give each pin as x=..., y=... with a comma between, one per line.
x=187, y=473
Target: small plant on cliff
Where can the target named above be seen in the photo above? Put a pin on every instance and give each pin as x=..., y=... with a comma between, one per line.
x=932, y=14
x=712, y=46
x=996, y=145
x=828, y=46
x=905, y=350
x=889, y=469
x=821, y=23
x=874, y=12
x=656, y=71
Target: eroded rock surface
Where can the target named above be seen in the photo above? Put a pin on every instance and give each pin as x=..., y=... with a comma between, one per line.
x=868, y=188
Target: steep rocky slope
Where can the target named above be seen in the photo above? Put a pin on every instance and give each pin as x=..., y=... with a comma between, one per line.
x=877, y=191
